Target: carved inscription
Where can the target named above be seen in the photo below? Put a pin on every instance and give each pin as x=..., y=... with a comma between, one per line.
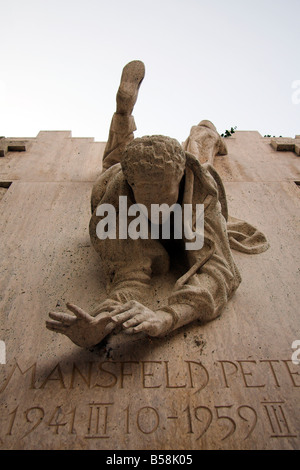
x=94, y=417
x=248, y=374
x=277, y=419
x=98, y=422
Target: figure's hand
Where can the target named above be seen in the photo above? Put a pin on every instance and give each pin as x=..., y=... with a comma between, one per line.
x=83, y=329
x=136, y=318
x=107, y=306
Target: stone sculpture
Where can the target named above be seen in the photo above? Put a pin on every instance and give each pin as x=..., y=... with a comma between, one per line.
x=158, y=170
x=205, y=143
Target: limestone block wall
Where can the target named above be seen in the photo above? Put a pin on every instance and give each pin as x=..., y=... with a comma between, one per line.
x=230, y=384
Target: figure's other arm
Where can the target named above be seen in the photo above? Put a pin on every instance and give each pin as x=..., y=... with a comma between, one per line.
x=202, y=297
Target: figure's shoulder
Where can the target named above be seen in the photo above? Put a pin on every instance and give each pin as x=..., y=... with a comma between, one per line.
x=207, y=179
x=109, y=184
x=204, y=172
x=199, y=171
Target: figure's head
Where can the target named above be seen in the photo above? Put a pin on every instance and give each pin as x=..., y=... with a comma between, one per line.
x=153, y=166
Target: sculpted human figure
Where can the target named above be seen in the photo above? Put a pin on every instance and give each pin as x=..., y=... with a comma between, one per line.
x=205, y=143
x=158, y=170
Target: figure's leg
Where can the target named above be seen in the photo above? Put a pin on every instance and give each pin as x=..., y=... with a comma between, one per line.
x=204, y=142
x=122, y=124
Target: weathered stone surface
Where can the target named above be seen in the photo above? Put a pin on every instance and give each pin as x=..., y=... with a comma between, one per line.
x=284, y=144
x=11, y=145
x=173, y=393
x=2, y=192
x=4, y=185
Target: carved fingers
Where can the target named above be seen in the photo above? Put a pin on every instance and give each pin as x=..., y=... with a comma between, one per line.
x=122, y=314
x=61, y=322
x=136, y=318
x=63, y=318
x=56, y=326
x=78, y=312
x=82, y=328
x=86, y=330
x=142, y=327
x=108, y=305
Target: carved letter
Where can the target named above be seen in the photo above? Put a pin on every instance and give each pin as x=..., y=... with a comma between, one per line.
x=123, y=374
x=269, y=361
x=86, y=380
x=168, y=380
x=206, y=380
x=144, y=374
x=248, y=373
x=109, y=373
x=291, y=373
x=59, y=378
x=224, y=372
x=16, y=366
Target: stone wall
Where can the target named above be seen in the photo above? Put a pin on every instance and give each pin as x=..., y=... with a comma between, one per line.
x=230, y=384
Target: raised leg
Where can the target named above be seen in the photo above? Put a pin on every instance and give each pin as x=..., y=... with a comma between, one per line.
x=122, y=124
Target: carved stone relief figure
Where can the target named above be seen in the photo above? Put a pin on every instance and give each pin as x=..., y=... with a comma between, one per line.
x=205, y=143
x=156, y=170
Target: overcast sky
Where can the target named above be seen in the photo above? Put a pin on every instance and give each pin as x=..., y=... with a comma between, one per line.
x=234, y=62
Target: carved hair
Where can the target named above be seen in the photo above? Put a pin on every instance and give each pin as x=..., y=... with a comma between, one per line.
x=151, y=158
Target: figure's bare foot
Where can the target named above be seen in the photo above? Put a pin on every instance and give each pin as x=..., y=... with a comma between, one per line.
x=131, y=79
